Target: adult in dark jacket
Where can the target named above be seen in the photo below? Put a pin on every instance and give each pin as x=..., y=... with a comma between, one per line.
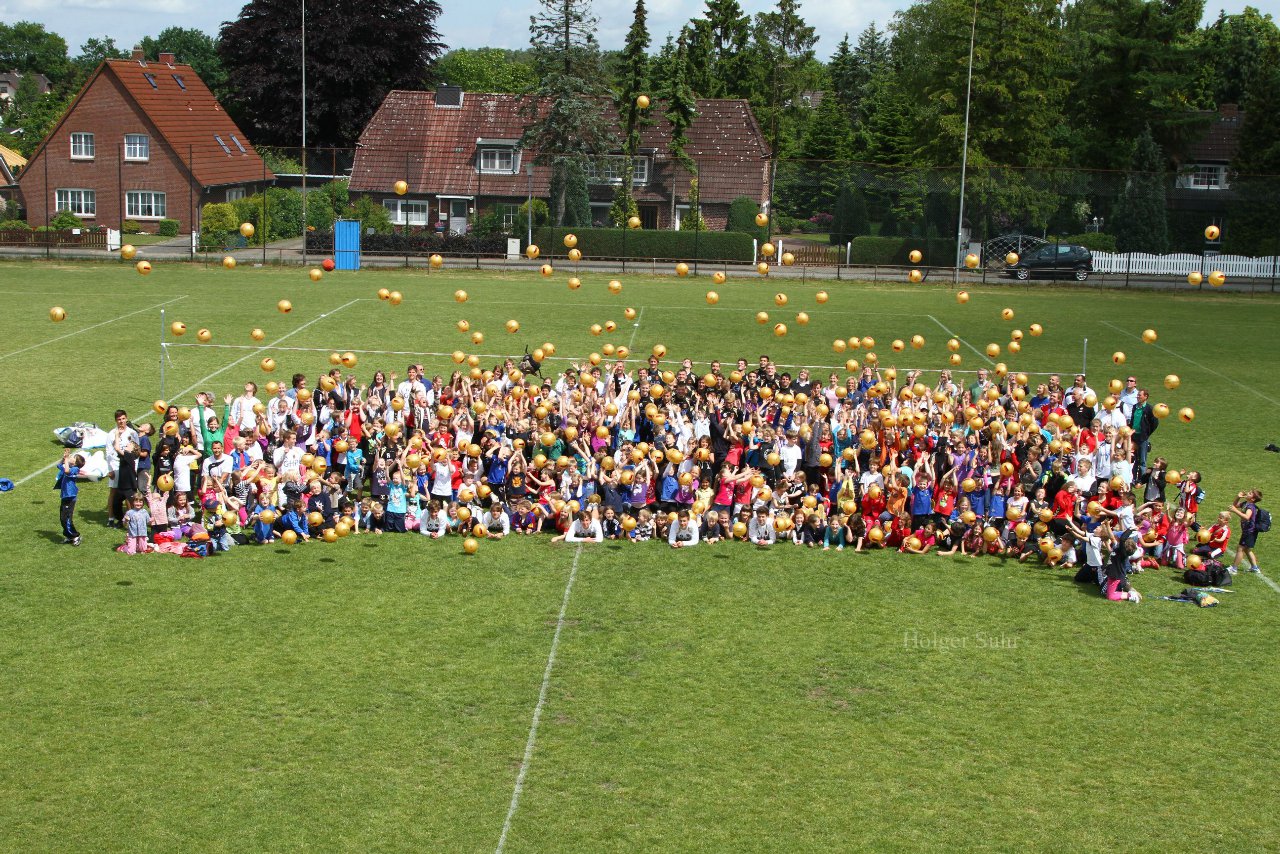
x=1143, y=421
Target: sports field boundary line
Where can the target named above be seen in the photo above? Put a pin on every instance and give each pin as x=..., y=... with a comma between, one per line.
x=1270, y=583
x=1189, y=361
x=88, y=328
x=537, y=709
x=205, y=379
x=570, y=359
x=631, y=344
x=981, y=354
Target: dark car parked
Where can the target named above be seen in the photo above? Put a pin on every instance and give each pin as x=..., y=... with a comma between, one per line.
x=1054, y=260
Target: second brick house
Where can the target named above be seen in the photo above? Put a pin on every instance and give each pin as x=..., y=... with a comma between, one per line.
x=460, y=154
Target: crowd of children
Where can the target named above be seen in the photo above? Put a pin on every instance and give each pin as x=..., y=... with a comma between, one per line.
x=1060, y=475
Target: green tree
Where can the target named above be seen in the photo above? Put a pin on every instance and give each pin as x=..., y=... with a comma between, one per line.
x=783, y=46
x=28, y=46
x=719, y=55
x=487, y=69
x=566, y=125
x=191, y=47
x=816, y=179
x=742, y=218
x=1131, y=64
x=357, y=52
x=1139, y=217
x=681, y=107
x=1232, y=53
x=849, y=219
x=34, y=113
x=577, y=199
x=632, y=83
x=693, y=221
x=92, y=53
x=1251, y=230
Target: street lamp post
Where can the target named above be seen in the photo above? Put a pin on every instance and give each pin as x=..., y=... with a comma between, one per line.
x=528, y=170
x=303, y=159
x=964, y=157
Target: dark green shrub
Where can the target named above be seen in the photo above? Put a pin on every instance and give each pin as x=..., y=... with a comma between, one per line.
x=64, y=220
x=1094, y=241
x=889, y=251
x=644, y=243
x=742, y=218
x=167, y=228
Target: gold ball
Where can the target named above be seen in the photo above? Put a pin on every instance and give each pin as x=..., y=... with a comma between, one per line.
x=629, y=313
x=780, y=299
x=437, y=261
x=642, y=101
x=575, y=283
x=1006, y=314
x=762, y=317
x=1217, y=278
x=780, y=329
x=513, y=326
x=383, y=294
x=349, y=360
x=401, y=187
x=284, y=306
x=229, y=262
x=128, y=251
x=1011, y=259
x=1118, y=357
x=802, y=318
x=1186, y=415
x=570, y=241
x=246, y=229
x=546, y=270
x=822, y=297
x=1172, y=381
x=615, y=287
x=962, y=297
x=633, y=222
x=268, y=364
x=915, y=276
x=915, y=256
x=788, y=259
x=712, y=296
x=682, y=269
x=575, y=255
x=917, y=341
x=143, y=267
x=1149, y=336
x=460, y=296
x=767, y=250
x=204, y=336
x=1037, y=330
x=1212, y=233
x=395, y=298
x=762, y=219
x=316, y=274
x=178, y=328
x=993, y=350
x=532, y=251
x=477, y=337
x=719, y=277
x=762, y=268
x=971, y=261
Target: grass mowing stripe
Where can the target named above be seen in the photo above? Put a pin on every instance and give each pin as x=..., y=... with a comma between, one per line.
x=1270, y=583
x=204, y=380
x=990, y=361
x=87, y=328
x=537, y=709
x=1161, y=347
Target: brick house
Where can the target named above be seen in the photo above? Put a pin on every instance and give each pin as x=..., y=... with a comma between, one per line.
x=460, y=154
x=142, y=141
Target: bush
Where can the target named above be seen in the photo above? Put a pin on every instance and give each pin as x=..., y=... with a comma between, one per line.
x=541, y=213
x=742, y=218
x=370, y=214
x=167, y=228
x=889, y=251
x=63, y=221
x=788, y=224
x=1093, y=241
x=642, y=243
x=417, y=241
x=131, y=226
x=218, y=224
x=14, y=225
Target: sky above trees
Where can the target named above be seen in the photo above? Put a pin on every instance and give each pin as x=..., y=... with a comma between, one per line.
x=478, y=23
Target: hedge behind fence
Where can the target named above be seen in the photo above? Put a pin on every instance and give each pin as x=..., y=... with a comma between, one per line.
x=888, y=251
x=642, y=243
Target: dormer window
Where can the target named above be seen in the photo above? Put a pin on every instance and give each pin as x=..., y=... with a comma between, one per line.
x=498, y=156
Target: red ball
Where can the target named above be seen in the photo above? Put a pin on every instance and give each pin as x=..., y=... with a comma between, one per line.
x=328, y=265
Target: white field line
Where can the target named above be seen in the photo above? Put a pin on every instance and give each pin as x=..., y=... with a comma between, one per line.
x=88, y=328
x=1270, y=583
x=205, y=379
x=637, y=360
x=1202, y=367
x=537, y=709
x=961, y=340
x=636, y=328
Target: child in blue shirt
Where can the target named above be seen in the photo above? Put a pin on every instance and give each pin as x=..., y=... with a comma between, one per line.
x=397, y=503
x=68, y=491
x=295, y=519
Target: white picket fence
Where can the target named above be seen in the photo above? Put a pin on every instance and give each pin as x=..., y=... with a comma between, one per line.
x=1141, y=263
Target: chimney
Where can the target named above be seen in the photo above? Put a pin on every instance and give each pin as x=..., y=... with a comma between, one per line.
x=138, y=55
x=166, y=57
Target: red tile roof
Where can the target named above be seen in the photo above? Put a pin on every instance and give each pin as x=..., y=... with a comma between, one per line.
x=435, y=149
x=1221, y=138
x=189, y=119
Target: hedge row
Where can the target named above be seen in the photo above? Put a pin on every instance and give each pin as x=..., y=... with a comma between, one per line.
x=890, y=251
x=416, y=243
x=640, y=243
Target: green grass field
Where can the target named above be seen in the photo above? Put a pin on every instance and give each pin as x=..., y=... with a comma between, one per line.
x=378, y=694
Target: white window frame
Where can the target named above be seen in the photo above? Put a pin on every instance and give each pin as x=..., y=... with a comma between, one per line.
x=80, y=201
x=510, y=214
x=139, y=142
x=84, y=141
x=417, y=211
x=1208, y=176
x=235, y=193
x=608, y=170
x=496, y=168
x=156, y=201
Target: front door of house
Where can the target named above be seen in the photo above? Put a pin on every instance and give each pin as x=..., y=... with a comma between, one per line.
x=458, y=216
